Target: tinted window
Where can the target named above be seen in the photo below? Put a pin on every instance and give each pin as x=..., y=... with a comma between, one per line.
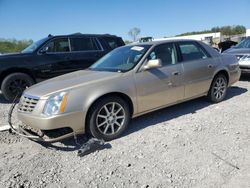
x=82, y=44
x=112, y=42
x=165, y=52
x=58, y=45
x=34, y=46
x=191, y=51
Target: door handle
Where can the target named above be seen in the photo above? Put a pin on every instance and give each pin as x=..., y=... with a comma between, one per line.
x=210, y=66
x=176, y=73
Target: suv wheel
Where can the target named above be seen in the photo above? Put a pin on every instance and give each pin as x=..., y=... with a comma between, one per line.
x=218, y=89
x=108, y=118
x=14, y=84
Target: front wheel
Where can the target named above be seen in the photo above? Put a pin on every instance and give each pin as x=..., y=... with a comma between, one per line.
x=218, y=88
x=108, y=118
x=14, y=84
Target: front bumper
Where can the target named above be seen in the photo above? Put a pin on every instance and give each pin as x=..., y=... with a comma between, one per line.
x=39, y=138
x=72, y=120
x=245, y=69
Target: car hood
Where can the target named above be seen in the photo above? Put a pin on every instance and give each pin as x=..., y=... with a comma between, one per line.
x=69, y=81
x=10, y=56
x=238, y=51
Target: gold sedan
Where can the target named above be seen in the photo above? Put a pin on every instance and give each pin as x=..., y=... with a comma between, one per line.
x=128, y=82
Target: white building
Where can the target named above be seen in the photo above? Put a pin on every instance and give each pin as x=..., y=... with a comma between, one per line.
x=208, y=37
x=248, y=33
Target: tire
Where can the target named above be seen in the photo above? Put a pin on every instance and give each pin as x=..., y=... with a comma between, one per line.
x=218, y=88
x=110, y=127
x=14, y=84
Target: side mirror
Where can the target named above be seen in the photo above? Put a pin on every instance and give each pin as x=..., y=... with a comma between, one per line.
x=44, y=50
x=151, y=64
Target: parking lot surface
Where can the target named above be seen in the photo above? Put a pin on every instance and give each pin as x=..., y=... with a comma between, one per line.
x=194, y=144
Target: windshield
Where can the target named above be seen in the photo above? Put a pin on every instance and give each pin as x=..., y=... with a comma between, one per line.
x=31, y=48
x=121, y=59
x=244, y=44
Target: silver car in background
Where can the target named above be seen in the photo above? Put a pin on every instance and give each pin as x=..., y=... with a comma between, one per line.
x=242, y=52
x=126, y=83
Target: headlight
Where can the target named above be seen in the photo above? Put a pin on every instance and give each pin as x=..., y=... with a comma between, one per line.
x=55, y=104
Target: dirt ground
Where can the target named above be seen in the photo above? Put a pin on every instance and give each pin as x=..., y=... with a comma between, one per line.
x=194, y=144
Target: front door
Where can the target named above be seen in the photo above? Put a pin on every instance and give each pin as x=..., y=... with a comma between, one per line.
x=56, y=60
x=160, y=86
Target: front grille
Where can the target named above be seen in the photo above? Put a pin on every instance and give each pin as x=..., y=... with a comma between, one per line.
x=27, y=103
x=244, y=57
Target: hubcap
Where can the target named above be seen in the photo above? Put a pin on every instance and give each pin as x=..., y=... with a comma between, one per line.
x=17, y=86
x=219, y=88
x=110, y=118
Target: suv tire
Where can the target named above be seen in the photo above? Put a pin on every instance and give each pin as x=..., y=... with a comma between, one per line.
x=14, y=84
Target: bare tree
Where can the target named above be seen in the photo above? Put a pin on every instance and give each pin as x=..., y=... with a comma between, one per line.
x=134, y=32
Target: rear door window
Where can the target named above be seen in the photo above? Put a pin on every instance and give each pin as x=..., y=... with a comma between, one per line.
x=83, y=44
x=191, y=51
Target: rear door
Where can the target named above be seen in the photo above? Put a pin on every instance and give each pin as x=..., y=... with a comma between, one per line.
x=198, y=68
x=160, y=86
x=85, y=51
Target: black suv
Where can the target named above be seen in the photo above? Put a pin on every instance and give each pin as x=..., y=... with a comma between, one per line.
x=50, y=57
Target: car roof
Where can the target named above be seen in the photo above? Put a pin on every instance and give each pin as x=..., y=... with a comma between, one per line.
x=156, y=42
x=82, y=35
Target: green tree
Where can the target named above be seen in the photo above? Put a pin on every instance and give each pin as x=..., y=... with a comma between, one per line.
x=13, y=45
x=225, y=30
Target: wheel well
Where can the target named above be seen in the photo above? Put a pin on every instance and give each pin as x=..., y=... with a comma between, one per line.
x=225, y=73
x=15, y=70
x=117, y=94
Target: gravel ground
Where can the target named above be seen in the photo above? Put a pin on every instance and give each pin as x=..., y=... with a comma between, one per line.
x=194, y=144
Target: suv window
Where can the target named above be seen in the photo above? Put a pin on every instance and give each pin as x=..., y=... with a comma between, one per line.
x=82, y=44
x=191, y=51
x=165, y=52
x=112, y=42
x=58, y=45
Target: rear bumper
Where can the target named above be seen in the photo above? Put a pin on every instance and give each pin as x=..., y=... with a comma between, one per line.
x=73, y=120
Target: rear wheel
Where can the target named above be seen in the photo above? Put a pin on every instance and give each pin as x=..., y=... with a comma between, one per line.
x=108, y=118
x=14, y=84
x=218, y=88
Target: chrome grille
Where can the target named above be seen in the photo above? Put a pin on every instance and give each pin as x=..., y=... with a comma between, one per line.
x=27, y=103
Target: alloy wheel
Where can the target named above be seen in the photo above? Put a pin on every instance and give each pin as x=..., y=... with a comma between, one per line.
x=110, y=118
x=219, y=88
